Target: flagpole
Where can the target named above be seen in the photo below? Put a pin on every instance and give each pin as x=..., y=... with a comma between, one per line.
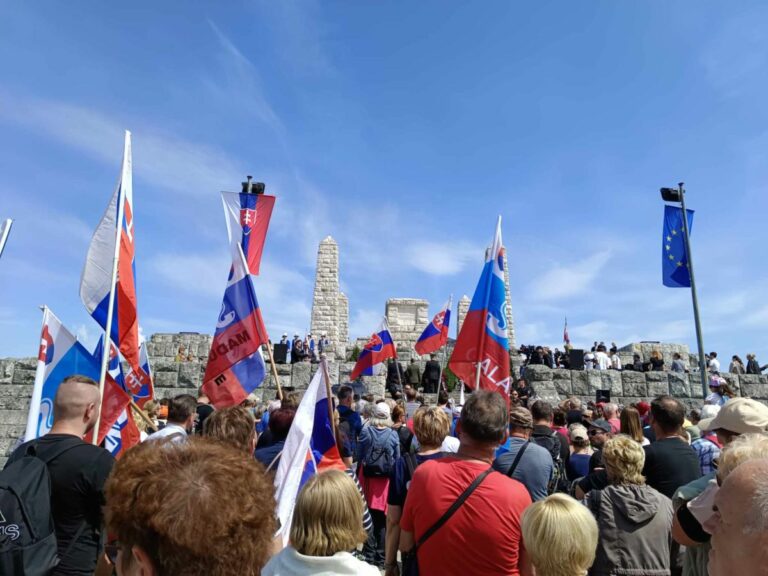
x=487, y=298
x=329, y=394
x=397, y=363
x=144, y=416
x=113, y=282
x=696, y=319
x=34, y=404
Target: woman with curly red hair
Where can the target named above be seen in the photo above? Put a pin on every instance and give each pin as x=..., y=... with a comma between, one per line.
x=199, y=508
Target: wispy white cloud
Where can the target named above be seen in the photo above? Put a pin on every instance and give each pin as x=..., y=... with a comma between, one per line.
x=561, y=281
x=298, y=34
x=244, y=85
x=442, y=259
x=284, y=294
x=162, y=159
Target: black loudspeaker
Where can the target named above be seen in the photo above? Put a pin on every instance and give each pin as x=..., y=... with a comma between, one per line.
x=602, y=396
x=576, y=358
x=281, y=353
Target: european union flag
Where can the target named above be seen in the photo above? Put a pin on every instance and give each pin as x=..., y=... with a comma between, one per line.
x=674, y=260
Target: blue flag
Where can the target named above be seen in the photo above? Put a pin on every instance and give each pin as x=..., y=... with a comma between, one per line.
x=674, y=260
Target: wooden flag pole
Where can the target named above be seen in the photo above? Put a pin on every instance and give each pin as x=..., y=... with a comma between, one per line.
x=144, y=416
x=274, y=371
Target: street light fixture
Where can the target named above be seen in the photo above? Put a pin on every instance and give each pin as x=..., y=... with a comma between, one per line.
x=677, y=196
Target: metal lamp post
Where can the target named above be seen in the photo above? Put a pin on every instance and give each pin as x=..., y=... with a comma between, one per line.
x=678, y=196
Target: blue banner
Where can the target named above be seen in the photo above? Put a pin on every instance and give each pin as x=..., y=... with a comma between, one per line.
x=675, y=270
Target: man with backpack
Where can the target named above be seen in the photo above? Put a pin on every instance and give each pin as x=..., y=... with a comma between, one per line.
x=77, y=472
x=522, y=459
x=350, y=423
x=553, y=442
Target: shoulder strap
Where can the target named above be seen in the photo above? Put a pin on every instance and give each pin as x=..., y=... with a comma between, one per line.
x=516, y=461
x=455, y=506
x=32, y=449
x=411, y=463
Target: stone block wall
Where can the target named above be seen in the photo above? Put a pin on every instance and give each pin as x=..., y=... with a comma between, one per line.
x=627, y=386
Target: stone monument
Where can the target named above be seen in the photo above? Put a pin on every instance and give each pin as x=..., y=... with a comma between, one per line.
x=330, y=307
x=463, y=308
x=407, y=318
x=510, y=319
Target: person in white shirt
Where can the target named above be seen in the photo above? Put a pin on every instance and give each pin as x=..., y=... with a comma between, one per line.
x=615, y=360
x=602, y=361
x=181, y=419
x=589, y=361
x=714, y=363
x=325, y=527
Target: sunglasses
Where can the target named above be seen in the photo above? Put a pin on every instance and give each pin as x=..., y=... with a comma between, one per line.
x=596, y=432
x=111, y=550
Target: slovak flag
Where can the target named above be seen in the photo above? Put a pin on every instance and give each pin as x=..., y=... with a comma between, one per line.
x=123, y=434
x=114, y=404
x=378, y=349
x=235, y=364
x=435, y=335
x=482, y=348
x=96, y=279
x=60, y=355
x=247, y=217
x=138, y=383
x=566, y=338
x=309, y=448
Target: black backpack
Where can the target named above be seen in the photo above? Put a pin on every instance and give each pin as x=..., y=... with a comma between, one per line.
x=379, y=460
x=27, y=536
x=559, y=481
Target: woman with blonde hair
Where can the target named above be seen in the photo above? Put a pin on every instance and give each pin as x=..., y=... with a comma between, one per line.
x=325, y=529
x=430, y=425
x=632, y=426
x=634, y=519
x=560, y=536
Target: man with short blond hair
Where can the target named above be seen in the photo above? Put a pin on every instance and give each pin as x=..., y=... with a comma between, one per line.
x=78, y=471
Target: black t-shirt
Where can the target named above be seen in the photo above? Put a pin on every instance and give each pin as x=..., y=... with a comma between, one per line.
x=203, y=411
x=669, y=464
x=596, y=460
x=77, y=495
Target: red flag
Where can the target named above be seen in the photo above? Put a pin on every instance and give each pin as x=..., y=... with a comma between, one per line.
x=113, y=403
x=248, y=218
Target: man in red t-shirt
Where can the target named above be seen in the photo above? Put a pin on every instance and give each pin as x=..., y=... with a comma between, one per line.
x=484, y=535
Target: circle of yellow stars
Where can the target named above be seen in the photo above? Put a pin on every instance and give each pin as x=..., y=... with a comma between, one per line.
x=668, y=247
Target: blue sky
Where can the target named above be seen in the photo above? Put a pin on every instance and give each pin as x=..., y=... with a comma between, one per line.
x=402, y=129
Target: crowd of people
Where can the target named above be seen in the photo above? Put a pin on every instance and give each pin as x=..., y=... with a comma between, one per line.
x=528, y=487
x=601, y=357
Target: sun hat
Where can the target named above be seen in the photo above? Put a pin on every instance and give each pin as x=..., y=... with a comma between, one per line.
x=381, y=411
x=740, y=416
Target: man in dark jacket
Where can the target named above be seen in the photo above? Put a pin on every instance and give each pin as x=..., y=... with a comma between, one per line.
x=395, y=376
x=413, y=374
x=430, y=379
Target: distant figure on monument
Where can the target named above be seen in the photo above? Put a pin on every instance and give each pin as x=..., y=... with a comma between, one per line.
x=323, y=344
x=430, y=379
x=413, y=374
x=297, y=349
x=394, y=380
